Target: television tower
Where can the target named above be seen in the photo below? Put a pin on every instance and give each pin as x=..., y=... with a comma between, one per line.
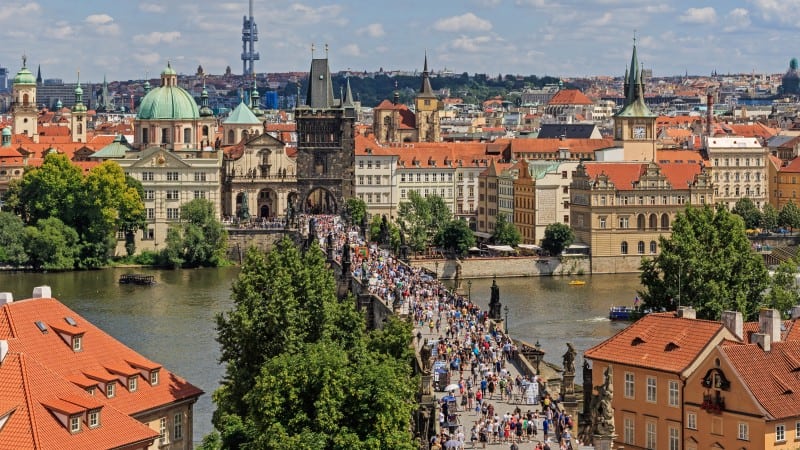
x=249, y=38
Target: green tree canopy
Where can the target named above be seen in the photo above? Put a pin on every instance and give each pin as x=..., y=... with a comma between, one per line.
x=455, y=237
x=354, y=210
x=51, y=190
x=769, y=217
x=199, y=240
x=706, y=263
x=783, y=294
x=557, y=237
x=51, y=245
x=505, y=232
x=420, y=218
x=789, y=216
x=747, y=210
x=12, y=242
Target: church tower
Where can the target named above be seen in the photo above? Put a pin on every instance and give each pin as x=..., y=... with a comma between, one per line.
x=635, y=124
x=23, y=107
x=325, y=144
x=78, y=119
x=428, y=110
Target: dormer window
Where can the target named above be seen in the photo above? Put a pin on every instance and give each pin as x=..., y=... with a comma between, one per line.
x=132, y=383
x=90, y=390
x=154, y=378
x=94, y=419
x=110, y=389
x=74, y=424
x=77, y=342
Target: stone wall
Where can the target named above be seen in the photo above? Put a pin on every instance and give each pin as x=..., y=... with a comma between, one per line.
x=506, y=266
x=239, y=240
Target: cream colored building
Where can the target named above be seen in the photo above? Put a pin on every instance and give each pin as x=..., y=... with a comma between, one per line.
x=551, y=182
x=740, y=169
x=376, y=177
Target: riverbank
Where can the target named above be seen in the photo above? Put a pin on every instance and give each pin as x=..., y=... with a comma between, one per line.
x=505, y=267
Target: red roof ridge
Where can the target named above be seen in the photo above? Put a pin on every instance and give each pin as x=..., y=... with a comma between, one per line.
x=29, y=399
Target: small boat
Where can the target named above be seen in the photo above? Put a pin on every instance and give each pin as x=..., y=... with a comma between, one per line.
x=139, y=279
x=626, y=313
x=577, y=283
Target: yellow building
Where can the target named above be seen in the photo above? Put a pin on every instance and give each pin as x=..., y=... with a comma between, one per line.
x=635, y=124
x=525, y=203
x=788, y=184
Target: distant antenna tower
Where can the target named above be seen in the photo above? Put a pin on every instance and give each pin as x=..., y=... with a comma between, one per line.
x=249, y=38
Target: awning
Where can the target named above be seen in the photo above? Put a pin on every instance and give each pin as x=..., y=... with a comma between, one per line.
x=529, y=246
x=474, y=249
x=501, y=248
x=482, y=235
x=578, y=246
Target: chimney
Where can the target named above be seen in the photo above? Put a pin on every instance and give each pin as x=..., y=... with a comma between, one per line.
x=686, y=312
x=3, y=351
x=42, y=292
x=732, y=320
x=709, y=112
x=795, y=312
x=769, y=323
x=762, y=340
x=6, y=297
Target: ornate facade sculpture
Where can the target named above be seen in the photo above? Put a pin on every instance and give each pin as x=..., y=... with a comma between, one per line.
x=602, y=411
x=569, y=359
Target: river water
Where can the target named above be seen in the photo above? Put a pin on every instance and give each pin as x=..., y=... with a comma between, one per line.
x=172, y=322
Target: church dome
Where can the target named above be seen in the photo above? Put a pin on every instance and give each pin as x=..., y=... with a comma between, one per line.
x=24, y=76
x=169, y=101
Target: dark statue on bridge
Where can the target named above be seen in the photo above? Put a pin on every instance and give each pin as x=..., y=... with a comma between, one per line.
x=383, y=238
x=494, y=301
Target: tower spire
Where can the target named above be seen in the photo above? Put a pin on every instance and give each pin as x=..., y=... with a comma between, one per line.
x=633, y=80
x=425, y=90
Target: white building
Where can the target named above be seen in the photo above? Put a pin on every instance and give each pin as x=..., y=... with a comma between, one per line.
x=739, y=169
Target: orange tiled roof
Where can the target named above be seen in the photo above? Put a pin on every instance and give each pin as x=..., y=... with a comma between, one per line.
x=427, y=154
x=570, y=97
x=792, y=167
x=100, y=353
x=751, y=130
x=660, y=341
x=552, y=145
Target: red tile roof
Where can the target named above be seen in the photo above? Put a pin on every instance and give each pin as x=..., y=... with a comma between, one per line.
x=792, y=167
x=660, y=342
x=570, y=97
x=624, y=174
x=553, y=145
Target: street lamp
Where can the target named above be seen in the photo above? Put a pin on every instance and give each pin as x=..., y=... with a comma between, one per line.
x=505, y=308
x=437, y=269
x=469, y=290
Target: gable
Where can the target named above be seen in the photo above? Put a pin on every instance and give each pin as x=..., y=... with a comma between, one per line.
x=158, y=157
x=264, y=139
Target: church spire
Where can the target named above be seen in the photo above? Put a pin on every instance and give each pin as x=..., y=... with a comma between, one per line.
x=348, y=95
x=39, y=74
x=425, y=90
x=632, y=91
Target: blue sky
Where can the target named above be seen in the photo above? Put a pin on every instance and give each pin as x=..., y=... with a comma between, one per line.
x=125, y=39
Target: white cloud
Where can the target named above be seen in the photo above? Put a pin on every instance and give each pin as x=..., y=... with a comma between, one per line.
x=699, y=15
x=62, y=31
x=103, y=24
x=464, y=22
x=147, y=59
x=487, y=3
x=470, y=44
x=374, y=30
x=98, y=19
x=157, y=37
x=785, y=12
x=152, y=7
x=351, y=50
x=737, y=19
x=19, y=9
x=310, y=15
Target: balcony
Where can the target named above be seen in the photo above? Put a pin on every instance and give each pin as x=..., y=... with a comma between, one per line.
x=714, y=404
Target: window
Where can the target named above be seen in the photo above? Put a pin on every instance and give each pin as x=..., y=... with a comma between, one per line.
x=77, y=342
x=199, y=176
x=744, y=432
x=377, y=179
x=187, y=135
x=402, y=193
x=154, y=378
x=94, y=419
x=650, y=436
x=147, y=176
x=132, y=384
x=111, y=389
x=651, y=389
x=149, y=195
x=623, y=248
x=797, y=430
x=151, y=213
x=674, y=438
x=361, y=179
x=640, y=247
x=602, y=223
x=629, y=430
x=623, y=222
x=419, y=178
x=653, y=247
x=173, y=194
x=162, y=430
x=177, y=426
x=199, y=194
x=173, y=213
x=673, y=385
x=402, y=178
x=780, y=433
x=629, y=385
x=74, y=424
x=378, y=164
x=691, y=421
x=172, y=176
x=369, y=164
x=361, y=164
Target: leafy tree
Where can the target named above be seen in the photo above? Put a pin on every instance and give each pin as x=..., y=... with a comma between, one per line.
x=51, y=190
x=12, y=246
x=789, y=216
x=456, y=237
x=505, y=232
x=199, y=240
x=557, y=237
x=420, y=218
x=747, y=210
x=783, y=294
x=706, y=263
x=769, y=217
x=51, y=245
x=132, y=214
x=354, y=210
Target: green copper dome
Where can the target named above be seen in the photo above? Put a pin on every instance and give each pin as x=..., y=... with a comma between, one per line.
x=168, y=103
x=7, y=131
x=24, y=76
x=169, y=70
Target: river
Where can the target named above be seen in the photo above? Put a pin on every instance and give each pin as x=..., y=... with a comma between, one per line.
x=172, y=322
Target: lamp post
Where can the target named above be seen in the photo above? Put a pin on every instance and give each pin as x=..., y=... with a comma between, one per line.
x=469, y=290
x=505, y=309
x=436, y=264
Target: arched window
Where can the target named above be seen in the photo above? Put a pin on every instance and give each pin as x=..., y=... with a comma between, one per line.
x=653, y=221
x=205, y=130
x=623, y=248
x=145, y=136
x=640, y=247
x=244, y=135
x=640, y=222
x=653, y=247
x=187, y=135
x=165, y=135
x=231, y=137
x=80, y=128
x=25, y=99
x=665, y=221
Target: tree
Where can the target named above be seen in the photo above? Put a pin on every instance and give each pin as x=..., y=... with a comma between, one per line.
x=51, y=190
x=354, y=210
x=199, y=240
x=747, y=210
x=505, y=232
x=707, y=263
x=420, y=219
x=769, y=217
x=789, y=216
x=557, y=237
x=12, y=246
x=456, y=237
x=51, y=245
x=783, y=294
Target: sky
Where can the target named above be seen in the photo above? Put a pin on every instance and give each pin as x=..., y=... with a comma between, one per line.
x=568, y=38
